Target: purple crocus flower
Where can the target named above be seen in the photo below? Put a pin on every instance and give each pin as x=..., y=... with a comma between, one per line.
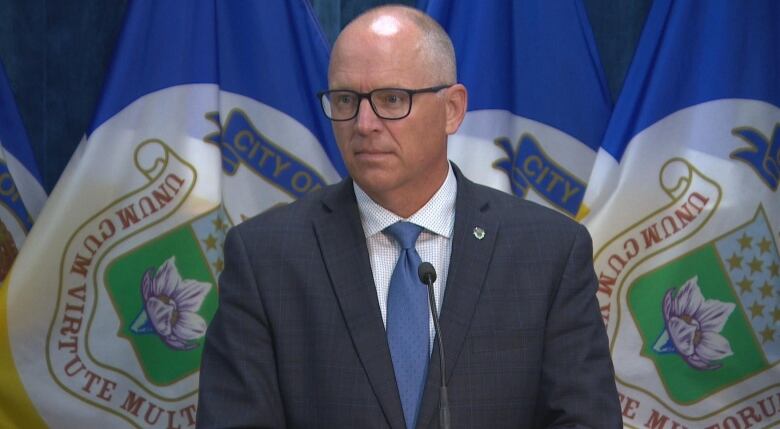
x=171, y=305
x=693, y=326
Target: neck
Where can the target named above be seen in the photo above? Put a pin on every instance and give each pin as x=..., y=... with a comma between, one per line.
x=409, y=200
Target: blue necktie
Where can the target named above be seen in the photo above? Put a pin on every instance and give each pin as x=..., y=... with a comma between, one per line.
x=407, y=321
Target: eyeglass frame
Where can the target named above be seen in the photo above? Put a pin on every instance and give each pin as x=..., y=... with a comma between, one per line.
x=367, y=96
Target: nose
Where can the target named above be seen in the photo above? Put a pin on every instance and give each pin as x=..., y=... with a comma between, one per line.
x=367, y=121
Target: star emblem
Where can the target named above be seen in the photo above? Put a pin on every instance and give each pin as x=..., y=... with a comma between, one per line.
x=745, y=241
x=756, y=310
x=774, y=269
x=755, y=265
x=776, y=315
x=735, y=262
x=210, y=242
x=745, y=285
x=764, y=245
x=219, y=224
x=767, y=335
x=219, y=265
x=766, y=290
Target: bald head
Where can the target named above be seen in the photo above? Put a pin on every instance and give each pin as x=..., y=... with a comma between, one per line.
x=430, y=41
x=398, y=60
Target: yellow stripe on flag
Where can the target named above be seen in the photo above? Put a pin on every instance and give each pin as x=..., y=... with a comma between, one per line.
x=16, y=409
x=582, y=212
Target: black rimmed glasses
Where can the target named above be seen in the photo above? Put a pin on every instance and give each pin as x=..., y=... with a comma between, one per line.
x=387, y=103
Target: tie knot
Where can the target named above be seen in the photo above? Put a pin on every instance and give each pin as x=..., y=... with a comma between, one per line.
x=405, y=233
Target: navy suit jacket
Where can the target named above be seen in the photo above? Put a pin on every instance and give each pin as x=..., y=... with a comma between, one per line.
x=298, y=339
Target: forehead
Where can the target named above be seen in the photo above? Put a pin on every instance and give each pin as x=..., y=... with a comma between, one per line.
x=380, y=53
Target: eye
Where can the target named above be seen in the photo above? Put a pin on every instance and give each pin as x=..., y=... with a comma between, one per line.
x=344, y=99
x=391, y=99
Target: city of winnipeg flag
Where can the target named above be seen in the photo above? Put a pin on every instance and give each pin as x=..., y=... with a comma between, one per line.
x=538, y=103
x=208, y=116
x=21, y=193
x=684, y=206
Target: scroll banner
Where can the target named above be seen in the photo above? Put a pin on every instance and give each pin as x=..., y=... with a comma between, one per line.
x=79, y=353
x=529, y=167
x=243, y=144
x=694, y=198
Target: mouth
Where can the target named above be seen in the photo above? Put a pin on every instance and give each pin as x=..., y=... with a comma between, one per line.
x=368, y=155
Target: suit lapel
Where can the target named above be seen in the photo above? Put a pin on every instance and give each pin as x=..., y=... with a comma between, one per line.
x=342, y=242
x=469, y=262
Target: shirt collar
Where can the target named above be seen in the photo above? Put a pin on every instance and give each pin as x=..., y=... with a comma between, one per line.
x=436, y=216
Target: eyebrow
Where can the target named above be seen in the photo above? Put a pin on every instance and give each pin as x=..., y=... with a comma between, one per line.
x=389, y=86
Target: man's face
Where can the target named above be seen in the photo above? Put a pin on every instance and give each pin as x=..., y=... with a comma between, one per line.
x=390, y=158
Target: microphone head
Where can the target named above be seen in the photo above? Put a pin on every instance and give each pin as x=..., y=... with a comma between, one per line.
x=426, y=273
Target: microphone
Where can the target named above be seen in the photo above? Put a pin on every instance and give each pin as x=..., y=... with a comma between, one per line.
x=427, y=275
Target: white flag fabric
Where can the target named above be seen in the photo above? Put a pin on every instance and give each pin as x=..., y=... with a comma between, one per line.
x=208, y=116
x=538, y=102
x=685, y=216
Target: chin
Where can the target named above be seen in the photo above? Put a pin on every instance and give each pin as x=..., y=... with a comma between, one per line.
x=376, y=183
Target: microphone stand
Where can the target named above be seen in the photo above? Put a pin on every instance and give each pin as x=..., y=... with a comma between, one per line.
x=427, y=274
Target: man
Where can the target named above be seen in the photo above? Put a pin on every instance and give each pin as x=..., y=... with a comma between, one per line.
x=316, y=325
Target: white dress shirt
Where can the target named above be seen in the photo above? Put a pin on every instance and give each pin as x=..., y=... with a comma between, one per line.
x=436, y=217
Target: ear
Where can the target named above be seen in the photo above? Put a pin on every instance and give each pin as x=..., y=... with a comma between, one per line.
x=457, y=101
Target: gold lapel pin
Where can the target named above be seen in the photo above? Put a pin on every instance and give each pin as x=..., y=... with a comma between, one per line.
x=479, y=233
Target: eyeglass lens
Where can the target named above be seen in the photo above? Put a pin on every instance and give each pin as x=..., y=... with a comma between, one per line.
x=387, y=103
